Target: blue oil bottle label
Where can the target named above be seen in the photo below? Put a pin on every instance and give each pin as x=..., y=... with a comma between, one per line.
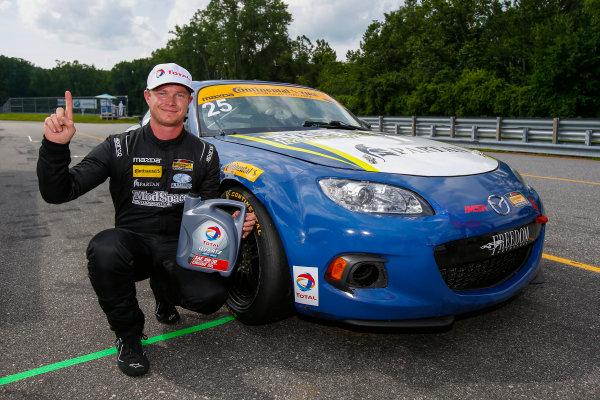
x=209, y=237
x=210, y=247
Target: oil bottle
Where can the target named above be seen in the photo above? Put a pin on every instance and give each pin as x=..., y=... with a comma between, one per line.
x=209, y=238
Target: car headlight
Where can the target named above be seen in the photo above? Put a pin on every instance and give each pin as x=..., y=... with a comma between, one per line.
x=374, y=197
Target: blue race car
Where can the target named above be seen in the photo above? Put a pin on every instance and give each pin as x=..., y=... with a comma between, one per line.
x=362, y=227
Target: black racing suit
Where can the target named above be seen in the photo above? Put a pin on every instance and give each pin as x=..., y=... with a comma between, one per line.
x=148, y=182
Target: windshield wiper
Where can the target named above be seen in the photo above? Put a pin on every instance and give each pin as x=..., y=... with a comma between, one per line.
x=330, y=125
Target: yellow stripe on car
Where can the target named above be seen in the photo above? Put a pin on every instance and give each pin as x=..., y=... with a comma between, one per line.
x=283, y=146
x=347, y=156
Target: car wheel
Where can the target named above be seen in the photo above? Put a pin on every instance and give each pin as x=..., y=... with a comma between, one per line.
x=260, y=288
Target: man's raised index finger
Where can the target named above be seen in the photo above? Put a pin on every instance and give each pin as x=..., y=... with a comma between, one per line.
x=68, y=105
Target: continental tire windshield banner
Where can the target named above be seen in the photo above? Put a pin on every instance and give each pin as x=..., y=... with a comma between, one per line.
x=219, y=92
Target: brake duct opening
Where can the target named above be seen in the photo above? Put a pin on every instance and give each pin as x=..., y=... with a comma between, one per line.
x=357, y=271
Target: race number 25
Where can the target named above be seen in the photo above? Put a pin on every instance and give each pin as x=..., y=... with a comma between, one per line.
x=217, y=107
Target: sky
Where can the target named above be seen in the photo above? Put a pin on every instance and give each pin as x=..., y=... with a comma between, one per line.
x=103, y=33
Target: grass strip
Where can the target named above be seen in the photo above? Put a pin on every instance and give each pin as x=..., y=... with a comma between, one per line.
x=95, y=119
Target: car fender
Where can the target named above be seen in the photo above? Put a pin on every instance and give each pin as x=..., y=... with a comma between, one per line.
x=272, y=180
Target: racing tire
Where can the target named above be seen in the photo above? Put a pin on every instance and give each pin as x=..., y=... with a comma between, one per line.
x=260, y=288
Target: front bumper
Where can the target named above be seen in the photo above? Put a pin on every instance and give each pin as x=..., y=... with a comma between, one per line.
x=422, y=287
x=416, y=290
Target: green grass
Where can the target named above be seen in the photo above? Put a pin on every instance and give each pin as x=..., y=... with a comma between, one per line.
x=76, y=118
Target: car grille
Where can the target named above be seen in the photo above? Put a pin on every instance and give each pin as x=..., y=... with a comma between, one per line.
x=485, y=272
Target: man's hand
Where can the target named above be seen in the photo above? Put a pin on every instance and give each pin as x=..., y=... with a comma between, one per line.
x=59, y=127
x=249, y=223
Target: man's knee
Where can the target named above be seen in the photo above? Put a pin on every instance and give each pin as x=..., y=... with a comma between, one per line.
x=108, y=252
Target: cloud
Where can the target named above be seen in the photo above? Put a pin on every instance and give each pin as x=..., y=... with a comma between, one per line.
x=183, y=10
x=105, y=32
x=110, y=24
x=341, y=23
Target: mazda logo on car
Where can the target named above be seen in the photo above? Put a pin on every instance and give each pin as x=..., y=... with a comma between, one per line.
x=499, y=204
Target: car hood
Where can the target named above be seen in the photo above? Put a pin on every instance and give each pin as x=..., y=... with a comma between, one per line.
x=368, y=151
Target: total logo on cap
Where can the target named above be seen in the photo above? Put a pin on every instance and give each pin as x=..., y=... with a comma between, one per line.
x=171, y=73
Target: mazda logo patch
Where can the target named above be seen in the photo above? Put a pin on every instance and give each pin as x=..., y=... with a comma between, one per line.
x=499, y=204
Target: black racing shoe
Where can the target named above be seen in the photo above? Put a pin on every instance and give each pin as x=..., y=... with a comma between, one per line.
x=132, y=359
x=166, y=313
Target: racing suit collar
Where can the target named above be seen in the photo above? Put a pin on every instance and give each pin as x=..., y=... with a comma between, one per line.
x=150, y=134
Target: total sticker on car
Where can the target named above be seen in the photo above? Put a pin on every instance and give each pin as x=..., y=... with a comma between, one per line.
x=306, y=285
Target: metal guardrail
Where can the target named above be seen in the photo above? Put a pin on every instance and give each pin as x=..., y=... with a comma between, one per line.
x=573, y=137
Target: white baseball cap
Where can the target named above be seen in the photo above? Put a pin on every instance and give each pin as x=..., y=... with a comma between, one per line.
x=163, y=74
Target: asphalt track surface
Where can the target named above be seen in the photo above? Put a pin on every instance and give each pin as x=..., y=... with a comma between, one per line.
x=55, y=342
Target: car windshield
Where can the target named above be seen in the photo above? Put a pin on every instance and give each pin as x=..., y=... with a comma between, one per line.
x=256, y=107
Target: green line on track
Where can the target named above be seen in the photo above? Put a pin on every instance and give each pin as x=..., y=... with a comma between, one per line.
x=104, y=353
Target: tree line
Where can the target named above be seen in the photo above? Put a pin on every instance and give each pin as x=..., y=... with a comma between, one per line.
x=525, y=58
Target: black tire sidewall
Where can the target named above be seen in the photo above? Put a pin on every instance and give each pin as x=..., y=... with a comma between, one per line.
x=274, y=296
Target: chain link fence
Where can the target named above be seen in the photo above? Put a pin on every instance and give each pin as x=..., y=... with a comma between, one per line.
x=106, y=106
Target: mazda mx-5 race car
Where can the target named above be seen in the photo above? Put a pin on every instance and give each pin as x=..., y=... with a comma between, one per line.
x=362, y=227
